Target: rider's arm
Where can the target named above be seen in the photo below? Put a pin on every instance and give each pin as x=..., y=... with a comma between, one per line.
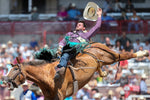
x=97, y=25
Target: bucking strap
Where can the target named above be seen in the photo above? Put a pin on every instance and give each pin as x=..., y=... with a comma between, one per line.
x=75, y=82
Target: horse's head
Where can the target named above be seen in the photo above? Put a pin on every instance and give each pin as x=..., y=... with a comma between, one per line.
x=15, y=77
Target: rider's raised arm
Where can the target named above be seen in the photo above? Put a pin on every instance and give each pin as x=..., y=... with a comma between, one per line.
x=97, y=25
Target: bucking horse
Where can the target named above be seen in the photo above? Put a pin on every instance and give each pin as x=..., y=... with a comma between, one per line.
x=77, y=74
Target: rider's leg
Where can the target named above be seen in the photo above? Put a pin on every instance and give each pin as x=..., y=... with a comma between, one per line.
x=62, y=64
x=63, y=61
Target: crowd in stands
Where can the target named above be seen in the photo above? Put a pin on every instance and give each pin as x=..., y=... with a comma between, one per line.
x=121, y=74
x=116, y=75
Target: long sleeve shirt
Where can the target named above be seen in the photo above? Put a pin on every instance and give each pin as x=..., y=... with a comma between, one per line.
x=85, y=35
x=143, y=87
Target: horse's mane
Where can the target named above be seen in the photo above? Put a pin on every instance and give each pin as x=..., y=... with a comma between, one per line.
x=35, y=62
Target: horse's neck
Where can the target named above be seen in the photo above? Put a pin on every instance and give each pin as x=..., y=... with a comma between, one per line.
x=33, y=73
x=37, y=73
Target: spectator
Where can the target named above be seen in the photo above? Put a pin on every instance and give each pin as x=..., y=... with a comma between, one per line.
x=20, y=59
x=134, y=21
x=73, y=13
x=97, y=96
x=93, y=92
x=3, y=49
x=123, y=63
x=62, y=14
x=123, y=80
x=34, y=14
x=111, y=95
x=128, y=46
x=118, y=6
x=123, y=16
x=107, y=6
x=143, y=86
x=39, y=95
x=110, y=77
x=84, y=93
x=26, y=52
x=16, y=53
x=118, y=75
x=9, y=98
x=140, y=59
x=33, y=43
x=113, y=39
x=146, y=46
x=102, y=39
x=118, y=46
x=122, y=95
x=129, y=6
x=132, y=77
x=106, y=21
x=27, y=94
x=107, y=41
x=124, y=39
x=141, y=98
x=10, y=49
x=137, y=45
x=93, y=82
x=105, y=17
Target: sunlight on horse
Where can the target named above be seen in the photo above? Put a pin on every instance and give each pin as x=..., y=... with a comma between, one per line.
x=84, y=66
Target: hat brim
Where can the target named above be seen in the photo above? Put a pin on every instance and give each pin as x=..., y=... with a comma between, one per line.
x=90, y=11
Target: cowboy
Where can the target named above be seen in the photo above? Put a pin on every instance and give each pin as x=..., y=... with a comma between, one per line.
x=72, y=39
x=27, y=94
x=143, y=86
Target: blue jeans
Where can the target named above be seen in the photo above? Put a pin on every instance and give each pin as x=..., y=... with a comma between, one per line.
x=63, y=61
x=136, y=26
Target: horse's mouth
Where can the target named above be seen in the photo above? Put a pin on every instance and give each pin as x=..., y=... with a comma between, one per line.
x=11, y=85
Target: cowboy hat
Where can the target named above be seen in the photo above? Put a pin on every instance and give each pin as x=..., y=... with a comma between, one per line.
x=141, y=98
x=144, y=76
x=87, y=87
x=90, y=11
x=97, y=95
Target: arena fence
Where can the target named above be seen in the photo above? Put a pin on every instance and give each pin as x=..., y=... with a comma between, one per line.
x=38, y=27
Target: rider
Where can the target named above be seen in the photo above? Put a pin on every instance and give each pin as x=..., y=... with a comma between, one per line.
x=80, y=35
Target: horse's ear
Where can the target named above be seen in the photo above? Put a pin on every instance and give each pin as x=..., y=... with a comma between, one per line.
x=18, y=60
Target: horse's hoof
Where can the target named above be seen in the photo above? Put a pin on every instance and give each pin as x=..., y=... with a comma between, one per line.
x=104, y=74
x=142, y=53
x=146, y=53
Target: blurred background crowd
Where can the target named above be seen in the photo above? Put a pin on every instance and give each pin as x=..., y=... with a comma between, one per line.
x=125, y=27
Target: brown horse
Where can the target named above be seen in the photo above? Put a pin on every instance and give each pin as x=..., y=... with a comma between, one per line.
x=84, y=66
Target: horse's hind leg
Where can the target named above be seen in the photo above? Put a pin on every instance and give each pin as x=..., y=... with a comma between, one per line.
x=128, y=55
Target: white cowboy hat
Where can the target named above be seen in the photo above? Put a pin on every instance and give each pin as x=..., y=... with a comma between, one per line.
x=87, y=87
x=25, y=83
x=144, y=76
x=122, y=92
x=9, y=42
x=4, y=46
x=90, y=11
x=141, y=98
x=97, y=95
x=110, y=92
